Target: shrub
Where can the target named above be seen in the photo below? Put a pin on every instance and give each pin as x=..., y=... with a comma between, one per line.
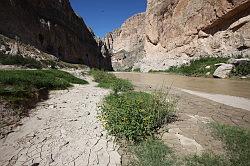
x=198, y=67
x=241, y=70
x=135, y=115
x=137, y=70
x=20, y=60
x=22, y=83
x=108, y=80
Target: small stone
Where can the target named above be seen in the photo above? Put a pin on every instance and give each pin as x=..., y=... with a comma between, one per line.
x=38, y=118
x=87, y=113
x=208, y=67
x=2, y=48
x=99, y=134
x=208, y=73
x=52, y=106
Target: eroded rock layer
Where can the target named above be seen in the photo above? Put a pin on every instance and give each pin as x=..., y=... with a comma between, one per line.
x=127, y=43
x=175, y=31
x=53, y=27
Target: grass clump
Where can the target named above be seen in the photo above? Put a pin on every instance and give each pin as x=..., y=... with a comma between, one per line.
x=20, y=60
x=237, y=143
x=22, y=84
x=108, y=80
x=198, y=67
x=206, y=159
x=153, y=153
x=136, y=115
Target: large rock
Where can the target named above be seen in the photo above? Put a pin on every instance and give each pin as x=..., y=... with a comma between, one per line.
x=223, y=71
x=53, y=27
x=177, y=31
x=127, y=43
x=238, y=61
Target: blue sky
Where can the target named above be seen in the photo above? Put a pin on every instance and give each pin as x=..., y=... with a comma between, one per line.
x=106, y=15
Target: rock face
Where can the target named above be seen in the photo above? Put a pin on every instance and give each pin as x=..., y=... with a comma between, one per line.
x=175, y=31
x=53, y=27
x=127, y=43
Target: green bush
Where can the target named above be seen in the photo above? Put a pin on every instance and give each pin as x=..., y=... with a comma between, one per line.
x=237, y=143
x=20, y=60
x=108, y=80
x=153, y=153
x=241, y=70
x=135, y=115
x=198, y=67
x=23, y=83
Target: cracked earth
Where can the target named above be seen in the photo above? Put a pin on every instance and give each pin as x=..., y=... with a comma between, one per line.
x=191, y=133
x=63, y=130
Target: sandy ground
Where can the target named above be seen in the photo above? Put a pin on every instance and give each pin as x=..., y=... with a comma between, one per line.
x=63, y=130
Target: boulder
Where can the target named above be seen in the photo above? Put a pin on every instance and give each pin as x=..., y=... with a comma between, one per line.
x=223, y=71
x=238, y=61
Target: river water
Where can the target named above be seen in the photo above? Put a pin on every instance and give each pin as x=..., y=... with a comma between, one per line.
x=238, y=88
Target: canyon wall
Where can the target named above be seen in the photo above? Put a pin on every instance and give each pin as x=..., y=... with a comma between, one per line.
x=174, y=32
x=53, y=27
x=127, y=43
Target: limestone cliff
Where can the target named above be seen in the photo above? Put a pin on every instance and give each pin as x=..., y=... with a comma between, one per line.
x=175, y=31
x=53, y=27
x=127, y=43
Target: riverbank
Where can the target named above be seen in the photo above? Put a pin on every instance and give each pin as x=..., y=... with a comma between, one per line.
x=192, y=134
x=63, y=130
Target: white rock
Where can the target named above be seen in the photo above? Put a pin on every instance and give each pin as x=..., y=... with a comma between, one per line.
x=238, y=61
x=223, y=71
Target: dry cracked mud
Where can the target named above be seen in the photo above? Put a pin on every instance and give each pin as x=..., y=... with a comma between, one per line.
x=63, y=130
x=191, y=133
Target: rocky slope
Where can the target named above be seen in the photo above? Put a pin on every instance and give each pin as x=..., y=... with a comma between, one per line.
x=53, y=27
x=175, y=31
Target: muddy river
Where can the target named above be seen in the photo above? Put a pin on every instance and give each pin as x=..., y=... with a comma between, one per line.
x=239, y=88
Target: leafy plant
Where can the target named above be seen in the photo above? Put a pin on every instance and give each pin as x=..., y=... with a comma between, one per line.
x=135, y=115
x=242, y=69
